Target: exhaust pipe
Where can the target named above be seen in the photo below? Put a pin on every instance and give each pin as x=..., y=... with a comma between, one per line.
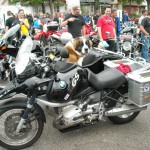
x=121, y=111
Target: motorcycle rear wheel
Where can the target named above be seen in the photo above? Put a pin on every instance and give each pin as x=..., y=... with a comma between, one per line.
x=122, y=119
x=29, y=134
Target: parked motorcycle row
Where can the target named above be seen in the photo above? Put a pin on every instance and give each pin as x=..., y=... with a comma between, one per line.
x=107, y=85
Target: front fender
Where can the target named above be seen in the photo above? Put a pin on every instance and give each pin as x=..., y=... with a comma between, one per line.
x=21, y=102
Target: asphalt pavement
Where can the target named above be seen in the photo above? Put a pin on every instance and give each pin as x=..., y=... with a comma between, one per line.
x=102, y=136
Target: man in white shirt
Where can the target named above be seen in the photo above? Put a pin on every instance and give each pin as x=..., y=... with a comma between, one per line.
x=144, y=14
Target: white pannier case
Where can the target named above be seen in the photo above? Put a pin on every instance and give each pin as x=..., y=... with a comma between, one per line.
x=139, y=87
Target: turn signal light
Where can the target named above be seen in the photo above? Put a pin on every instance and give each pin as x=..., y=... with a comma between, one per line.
x=3, y=48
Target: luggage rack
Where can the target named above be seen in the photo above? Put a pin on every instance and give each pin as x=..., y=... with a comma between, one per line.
x=134, y=63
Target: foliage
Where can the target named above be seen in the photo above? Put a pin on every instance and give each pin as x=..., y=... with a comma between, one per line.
x=25, y=2
x=148, y=4
x=130, y=1
x=135, y=15
x=32, y=2
x=96, y=5
x=58, y=3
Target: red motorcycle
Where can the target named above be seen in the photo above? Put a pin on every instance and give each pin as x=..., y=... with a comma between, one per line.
x=89, y=30
x=51, y=37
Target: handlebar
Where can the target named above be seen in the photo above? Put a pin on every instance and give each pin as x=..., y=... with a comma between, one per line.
x=109, y=52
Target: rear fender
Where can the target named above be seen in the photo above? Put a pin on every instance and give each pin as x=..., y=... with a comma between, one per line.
x=21, y=102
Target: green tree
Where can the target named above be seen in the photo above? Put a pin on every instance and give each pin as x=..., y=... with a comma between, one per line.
x=129, y=2
x=96, y=5
x=41, y=2
x=29, y=2
x=148, y=4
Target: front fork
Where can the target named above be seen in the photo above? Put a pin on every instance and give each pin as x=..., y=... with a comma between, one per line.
x=24, y=116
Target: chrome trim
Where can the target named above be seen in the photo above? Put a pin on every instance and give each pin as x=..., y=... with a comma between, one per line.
x=19, y=127
x=120, y=111
x=29, y=106
x=50, y=104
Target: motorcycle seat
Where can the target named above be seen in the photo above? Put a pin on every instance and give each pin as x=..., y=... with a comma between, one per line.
x=110, y=78
x=64, y=67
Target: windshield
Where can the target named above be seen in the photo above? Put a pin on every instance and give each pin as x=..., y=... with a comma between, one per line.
x=11, y=32
x=26, y=47
x=24, y=54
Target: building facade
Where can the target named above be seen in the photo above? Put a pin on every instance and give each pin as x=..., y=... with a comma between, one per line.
x=87, y=7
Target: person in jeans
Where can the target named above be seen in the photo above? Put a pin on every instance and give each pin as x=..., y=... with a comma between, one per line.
x=144, y=14
x=145, y=35
x=117, y=27
x=106, y=29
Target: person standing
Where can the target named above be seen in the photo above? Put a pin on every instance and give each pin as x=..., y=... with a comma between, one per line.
x=117, y=27
x=43, y=19
x=30, y=19
x=38, y=26
x=55, y=18
x=9, y=21
x=61, y=18
x=86, y=19
x=106, y=29
x=125, y=17
x=144, y=14
x=95, y=18
x=145, y=36
x=75, y=22
x=23, y=22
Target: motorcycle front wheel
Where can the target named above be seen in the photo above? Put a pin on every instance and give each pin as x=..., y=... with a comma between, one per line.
x=125, y=118
x=30, y=132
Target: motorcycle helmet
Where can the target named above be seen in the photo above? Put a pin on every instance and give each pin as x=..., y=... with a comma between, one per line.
x=66, y=37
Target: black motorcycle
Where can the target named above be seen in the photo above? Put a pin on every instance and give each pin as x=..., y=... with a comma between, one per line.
x=9, y=47
x=79, y=96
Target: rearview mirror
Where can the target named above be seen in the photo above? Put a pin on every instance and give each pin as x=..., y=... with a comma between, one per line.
x=64, y=53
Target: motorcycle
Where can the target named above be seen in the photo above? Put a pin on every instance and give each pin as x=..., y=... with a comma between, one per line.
x=129, y=45
x=51, y=35
x=129, y=41
x=79, y=97
x=9, y=47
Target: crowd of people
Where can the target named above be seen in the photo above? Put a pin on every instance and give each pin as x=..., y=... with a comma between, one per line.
x=27, y=21
x=108, y=25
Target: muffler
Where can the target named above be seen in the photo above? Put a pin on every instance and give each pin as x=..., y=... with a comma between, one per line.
x=121, y=111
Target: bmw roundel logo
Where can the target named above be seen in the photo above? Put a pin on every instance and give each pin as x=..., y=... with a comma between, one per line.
x=62, y=84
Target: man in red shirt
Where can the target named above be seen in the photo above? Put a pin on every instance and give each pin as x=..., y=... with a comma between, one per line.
x=106, y=29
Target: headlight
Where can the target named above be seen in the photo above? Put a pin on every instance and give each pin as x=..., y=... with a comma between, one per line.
x=126, y=46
